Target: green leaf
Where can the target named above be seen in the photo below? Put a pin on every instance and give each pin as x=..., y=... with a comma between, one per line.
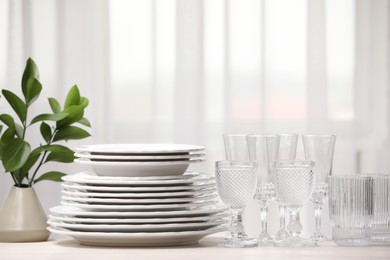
x=16, y=103
x=30, y=71
x=55, y=105
x=34, y=88
x=70, y=133
x=76, y=113
x=73, y=97
x=49, y=117
x=32, y=159
x=9, y=134
x=45, y=132
x=9, y=121
x=50, y=176
x=2, y=145
x=65, y=156
x=50, y=148
x=84, y=121
x=15, y=155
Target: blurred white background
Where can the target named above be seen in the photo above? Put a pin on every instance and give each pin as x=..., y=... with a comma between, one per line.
x=187, y=71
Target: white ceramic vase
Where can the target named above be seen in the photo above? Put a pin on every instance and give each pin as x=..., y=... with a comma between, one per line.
x=22, y=218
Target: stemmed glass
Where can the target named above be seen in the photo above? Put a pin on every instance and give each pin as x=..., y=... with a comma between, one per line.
x=263, y=149
x=287, y=152
x=294, y=184
x=236, y=147
x=236, y=185
x=319, y=148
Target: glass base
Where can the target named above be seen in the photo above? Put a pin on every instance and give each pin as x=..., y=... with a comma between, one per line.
x=295, y=241
x=319, y=236
x=265, y=239
x=239, y=242
x=352, y=236
x=282, y=235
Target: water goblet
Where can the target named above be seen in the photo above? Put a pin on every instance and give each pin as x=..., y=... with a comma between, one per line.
x=263, y=149
x=236, y=185
x=287, y=152
x=319, y=148
x=236, y=147
x=294, y=184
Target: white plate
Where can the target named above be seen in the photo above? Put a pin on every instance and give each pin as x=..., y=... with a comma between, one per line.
x=184, y=194
x=139, y=157
x=120, y=201
x=145, y=189
x=92, y=179
x=195, y=212
x=139, y=168
x=138, y=239
x=139, y=148
x=170, y=227
x=218, y=216
x=151, y=207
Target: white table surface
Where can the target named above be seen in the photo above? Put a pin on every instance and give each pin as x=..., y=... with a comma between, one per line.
x=67, y=248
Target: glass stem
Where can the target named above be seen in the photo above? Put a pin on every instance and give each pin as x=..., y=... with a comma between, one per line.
x=236, y=226
x=295, y=224
x=317, y=215
x=263, y=215
x=282, y=217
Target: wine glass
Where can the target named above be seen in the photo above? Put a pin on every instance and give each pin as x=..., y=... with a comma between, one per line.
x=287, y=152
x=294, y=184
x=263, y=149
x=319, y=148
x=236, y=185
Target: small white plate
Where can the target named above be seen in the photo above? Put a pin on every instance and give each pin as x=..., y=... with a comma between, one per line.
x=139, y=239
x=140, y=189
x=151, y=207
x=92, y=179
x=140, y=195
x=105, y=168
x=170, y=227
x=139, y=157
x=194, y=212
x=139, y=148
x=137, y=201
x=218, y=216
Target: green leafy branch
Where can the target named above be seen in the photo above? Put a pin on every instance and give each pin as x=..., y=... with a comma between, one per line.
x=62, y=124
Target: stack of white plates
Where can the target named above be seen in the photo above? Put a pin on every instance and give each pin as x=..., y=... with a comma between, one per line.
x=139, y=159
x=138, y=211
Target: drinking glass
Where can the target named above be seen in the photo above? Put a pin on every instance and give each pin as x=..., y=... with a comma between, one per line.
x=287, y=152
x=319, y=148
x=351, y=208
x=294, y=184
x=236, y=147
x=381, y=221
x=263, y=149
x=236, y=185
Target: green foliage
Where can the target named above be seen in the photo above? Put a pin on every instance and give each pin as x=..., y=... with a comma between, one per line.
x=22, y=162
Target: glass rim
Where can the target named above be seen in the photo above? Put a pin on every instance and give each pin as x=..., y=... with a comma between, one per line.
x=236, y=162
x=294, y=163
x=288, y=134
x=234, y=134
x=319, y=135
x=351, y=177
x=263, y=135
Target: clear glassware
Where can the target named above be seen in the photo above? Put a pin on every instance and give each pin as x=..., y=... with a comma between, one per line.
x=287, y=152
x=236, y=185
x=381, y=221
x=294, y=184
x=319, y=148
x=351, y=208
x=263, y=149
x=236, y=147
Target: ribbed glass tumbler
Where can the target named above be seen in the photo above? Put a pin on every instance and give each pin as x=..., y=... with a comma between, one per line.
x=351, y=208
x=381, y=222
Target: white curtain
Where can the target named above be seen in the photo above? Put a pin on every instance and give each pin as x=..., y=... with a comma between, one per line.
x=187, y=71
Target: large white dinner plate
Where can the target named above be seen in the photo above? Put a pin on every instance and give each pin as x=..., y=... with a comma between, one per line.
x=141, y=195
x=150, y=207
x=90, y=220
x=139, y=148
x=165, y=227
x=92, y=179
x=120, y=201
x=140, y=157
x=140, y=189
x=73, y=211
x=138, y=239
x=126, y=168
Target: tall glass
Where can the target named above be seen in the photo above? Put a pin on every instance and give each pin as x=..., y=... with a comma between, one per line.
x=319, y=148
x=381, y=221
x=287, y=152
x=294, y=184
x=236, y=185
x=236, y=147
x=263, y=149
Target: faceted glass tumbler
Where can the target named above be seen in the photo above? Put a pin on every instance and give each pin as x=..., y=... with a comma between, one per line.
x=351, y=208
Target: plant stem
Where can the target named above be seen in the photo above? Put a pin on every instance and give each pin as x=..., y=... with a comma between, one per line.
x=15, y=181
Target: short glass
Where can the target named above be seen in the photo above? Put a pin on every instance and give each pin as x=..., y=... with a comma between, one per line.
x=351, y=208
x=381, y=221
x=236, y=184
